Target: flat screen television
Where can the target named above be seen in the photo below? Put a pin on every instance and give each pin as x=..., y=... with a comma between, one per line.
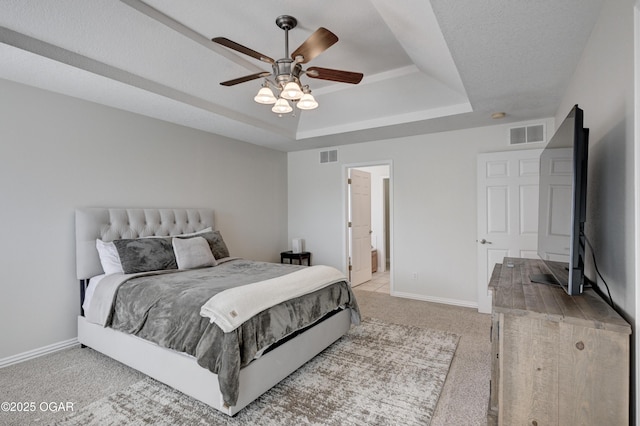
x=562, y=204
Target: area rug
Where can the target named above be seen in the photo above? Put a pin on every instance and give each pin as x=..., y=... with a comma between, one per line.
x=377, y=374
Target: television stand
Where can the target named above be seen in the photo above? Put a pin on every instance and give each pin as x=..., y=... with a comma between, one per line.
x=556, y=359
x=547, y=279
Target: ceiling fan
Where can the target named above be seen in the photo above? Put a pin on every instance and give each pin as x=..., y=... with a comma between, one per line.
x=286, y=72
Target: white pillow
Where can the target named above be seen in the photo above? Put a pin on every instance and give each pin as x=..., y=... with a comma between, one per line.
x=202, y=231
x=109, y=258
x=192, y=253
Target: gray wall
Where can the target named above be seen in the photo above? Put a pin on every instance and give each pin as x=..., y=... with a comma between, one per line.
x=603, y=85
x=434, y=189
x=58, y=153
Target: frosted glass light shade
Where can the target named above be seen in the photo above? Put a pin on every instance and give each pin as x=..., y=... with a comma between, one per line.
x=307, y=101
x=282, y=107
x=291, y=91
x=265, y=96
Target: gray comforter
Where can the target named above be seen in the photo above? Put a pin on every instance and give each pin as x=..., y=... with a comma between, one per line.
x=165, y=309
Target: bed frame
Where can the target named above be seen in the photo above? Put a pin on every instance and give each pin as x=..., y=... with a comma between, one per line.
x=176, y=369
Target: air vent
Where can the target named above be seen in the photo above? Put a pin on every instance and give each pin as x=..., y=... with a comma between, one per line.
x=527, y=134
x=329, y=156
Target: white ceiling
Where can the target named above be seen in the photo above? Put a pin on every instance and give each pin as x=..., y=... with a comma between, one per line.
x=428, y=66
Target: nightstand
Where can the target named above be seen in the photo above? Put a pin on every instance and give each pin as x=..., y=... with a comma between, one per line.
x=300, y=256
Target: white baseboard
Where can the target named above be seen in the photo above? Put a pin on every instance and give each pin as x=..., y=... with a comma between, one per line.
x=35, y=353
x=443, y=300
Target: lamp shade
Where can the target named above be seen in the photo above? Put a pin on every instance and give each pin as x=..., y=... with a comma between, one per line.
x=307, y=101
x=265, y=96
x=291, y=91
x=282, y=107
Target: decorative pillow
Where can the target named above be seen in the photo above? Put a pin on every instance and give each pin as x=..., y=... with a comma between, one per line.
x=192, y=253
x=109, y=258
x=216, y=243
x=146, y=254
x=218, y=247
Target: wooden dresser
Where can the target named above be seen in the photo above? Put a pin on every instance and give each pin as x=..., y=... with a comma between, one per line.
x=556, y=359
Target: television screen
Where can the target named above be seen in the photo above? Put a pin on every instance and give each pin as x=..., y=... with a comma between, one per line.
x=562, y=204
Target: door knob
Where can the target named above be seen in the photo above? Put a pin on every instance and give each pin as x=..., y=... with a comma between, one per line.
x=483, y=241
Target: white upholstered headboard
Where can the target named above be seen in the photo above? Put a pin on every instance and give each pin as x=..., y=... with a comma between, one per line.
x=112, y=224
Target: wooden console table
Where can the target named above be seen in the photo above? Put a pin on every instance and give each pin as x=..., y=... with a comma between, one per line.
x=556, y=359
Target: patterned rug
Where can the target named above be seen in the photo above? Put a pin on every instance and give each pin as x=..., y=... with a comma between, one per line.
x=377, y=374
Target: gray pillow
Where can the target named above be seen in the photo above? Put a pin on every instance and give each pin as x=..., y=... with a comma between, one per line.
x=216, y=243
x=146, y=254
x=218, y=247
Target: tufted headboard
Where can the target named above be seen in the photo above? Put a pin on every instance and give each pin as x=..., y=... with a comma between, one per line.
x=112, y=224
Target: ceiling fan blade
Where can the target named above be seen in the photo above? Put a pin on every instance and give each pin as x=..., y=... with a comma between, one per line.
x=335, y=75
x=318, y=42
x=242, y=49
x=246, y=78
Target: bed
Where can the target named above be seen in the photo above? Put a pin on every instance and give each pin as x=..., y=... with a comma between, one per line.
x=220, y=329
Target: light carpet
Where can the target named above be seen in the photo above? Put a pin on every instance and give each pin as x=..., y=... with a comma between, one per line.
x=378, y=374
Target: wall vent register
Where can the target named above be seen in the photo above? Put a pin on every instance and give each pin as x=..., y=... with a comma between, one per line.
x=329, y=156
x=527, y=134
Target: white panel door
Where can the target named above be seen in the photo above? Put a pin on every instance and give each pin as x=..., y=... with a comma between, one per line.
x=507, y=212
x=360, y=230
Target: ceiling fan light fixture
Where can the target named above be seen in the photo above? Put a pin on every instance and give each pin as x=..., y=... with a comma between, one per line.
x=265, y=96
x=307, y=102
x=284, y=83
x=282, y=107
x=291, y=91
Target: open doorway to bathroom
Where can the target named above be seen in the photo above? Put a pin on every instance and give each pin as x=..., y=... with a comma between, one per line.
x=381, y=227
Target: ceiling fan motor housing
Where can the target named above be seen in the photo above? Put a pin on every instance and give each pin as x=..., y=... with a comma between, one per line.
x=284, y=72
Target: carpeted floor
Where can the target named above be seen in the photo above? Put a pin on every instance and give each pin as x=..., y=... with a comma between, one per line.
x=83, y=377
x=379, y=374
x=465, y=397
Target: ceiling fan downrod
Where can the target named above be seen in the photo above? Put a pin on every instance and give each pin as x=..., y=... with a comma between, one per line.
x=287, y=23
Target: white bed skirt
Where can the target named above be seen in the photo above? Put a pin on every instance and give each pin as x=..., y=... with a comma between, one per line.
x=182, y=372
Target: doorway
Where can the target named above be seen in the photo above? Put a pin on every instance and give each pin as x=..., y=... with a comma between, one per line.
x=381, y=232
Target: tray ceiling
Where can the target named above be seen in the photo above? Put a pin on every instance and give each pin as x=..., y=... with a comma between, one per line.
x=428, y=66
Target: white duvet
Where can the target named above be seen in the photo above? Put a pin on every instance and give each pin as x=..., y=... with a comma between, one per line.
x=232, y=307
